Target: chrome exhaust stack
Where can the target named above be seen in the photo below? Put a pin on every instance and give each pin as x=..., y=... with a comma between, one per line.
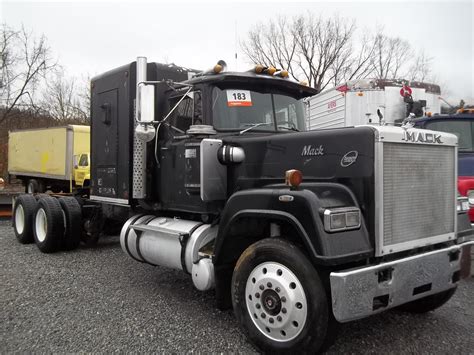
x=139, y=145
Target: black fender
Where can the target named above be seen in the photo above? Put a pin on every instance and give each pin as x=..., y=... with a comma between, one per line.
x=248, y=214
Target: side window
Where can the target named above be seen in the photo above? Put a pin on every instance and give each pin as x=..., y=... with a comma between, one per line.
x=188, y=112
x=84, y=161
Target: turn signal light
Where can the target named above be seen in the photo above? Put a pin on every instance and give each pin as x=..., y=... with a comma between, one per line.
x=293, y=178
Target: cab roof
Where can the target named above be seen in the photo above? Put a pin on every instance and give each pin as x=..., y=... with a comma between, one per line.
x=260, y=81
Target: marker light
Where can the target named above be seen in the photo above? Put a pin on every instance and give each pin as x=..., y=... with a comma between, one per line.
x=259, y=68
x=360, y=93
x=293, y=178
x=219, y=67
x=270, y=70
x=282, y=73
x=304, y=83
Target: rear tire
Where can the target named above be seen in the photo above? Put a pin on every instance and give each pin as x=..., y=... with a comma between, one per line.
x=429, y=303
x=279, y=299
x=73, y=222
x=23, y=217
x=48, y=225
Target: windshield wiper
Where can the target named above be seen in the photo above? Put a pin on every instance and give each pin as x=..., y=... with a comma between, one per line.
x=253, y=125
x=289, y=128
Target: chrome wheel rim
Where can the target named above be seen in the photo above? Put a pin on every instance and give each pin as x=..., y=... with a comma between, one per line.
x=41, y=225
x=276, y=301
x=20, y=219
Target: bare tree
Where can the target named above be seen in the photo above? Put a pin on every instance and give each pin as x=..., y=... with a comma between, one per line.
x=64, y=99
x=355, y=63
x=274, y=45
x=391, y=56
x=421, y=67
x=25, y=59
x=306, y=46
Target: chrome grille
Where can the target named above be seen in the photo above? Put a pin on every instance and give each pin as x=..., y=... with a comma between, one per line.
x=418, y=192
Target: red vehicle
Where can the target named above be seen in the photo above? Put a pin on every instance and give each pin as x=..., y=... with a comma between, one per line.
x=462, y=125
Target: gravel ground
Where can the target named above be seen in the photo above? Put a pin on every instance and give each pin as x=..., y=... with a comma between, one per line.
x=100, y=300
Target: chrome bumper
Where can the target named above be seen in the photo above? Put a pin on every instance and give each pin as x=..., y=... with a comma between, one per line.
x=361, y=292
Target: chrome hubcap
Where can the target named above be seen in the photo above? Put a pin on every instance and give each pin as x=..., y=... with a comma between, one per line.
x=41, y=225
x=20, y=219
x=276, y=301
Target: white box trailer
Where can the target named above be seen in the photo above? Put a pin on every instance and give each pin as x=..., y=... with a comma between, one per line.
x=365, y=101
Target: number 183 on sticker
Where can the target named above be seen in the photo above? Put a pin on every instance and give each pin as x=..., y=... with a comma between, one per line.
x=238, y=98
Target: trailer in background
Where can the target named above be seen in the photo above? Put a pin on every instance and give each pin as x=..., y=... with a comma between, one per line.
x=368, y=101
x=54, y=158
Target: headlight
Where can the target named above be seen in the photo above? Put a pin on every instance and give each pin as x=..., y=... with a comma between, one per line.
x=462, y=204
x=340, y=219
x=470, y=196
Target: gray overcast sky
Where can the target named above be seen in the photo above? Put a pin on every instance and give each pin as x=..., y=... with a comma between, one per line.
x=92, y=37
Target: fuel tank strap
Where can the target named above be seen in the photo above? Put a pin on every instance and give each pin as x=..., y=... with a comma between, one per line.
x=138, y=232
x=183, y=239
x=137, y=217
x=137, y=240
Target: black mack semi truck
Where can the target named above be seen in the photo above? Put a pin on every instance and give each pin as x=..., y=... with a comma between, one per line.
x=213, y=173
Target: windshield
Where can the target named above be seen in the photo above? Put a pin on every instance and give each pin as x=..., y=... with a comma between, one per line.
x=463, y=129
x=236, y=109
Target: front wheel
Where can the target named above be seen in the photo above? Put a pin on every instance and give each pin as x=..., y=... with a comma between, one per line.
x=279, y=299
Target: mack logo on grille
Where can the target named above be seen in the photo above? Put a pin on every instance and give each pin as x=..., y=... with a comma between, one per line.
x=421, y=137
x=311, y=151
x=349, y=158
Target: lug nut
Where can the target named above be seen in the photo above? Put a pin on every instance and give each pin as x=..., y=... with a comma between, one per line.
x=277, y=289
x=283, y=299
x=269, y=285
x=279, y=318
x=258, y=306
x=262, y=287
x=263, y=315
x=271, y=320
x=283, y=310
x=257, y=295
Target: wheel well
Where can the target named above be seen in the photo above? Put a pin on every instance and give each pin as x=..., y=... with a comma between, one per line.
x=241, y=233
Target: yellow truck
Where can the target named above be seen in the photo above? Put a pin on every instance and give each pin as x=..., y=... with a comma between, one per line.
x=56, y=159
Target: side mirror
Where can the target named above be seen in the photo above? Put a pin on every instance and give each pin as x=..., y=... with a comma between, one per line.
x=146, y=103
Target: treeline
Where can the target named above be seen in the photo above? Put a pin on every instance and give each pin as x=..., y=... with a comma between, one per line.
x=326, y=51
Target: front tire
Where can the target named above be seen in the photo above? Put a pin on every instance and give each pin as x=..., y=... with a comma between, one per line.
x=279, y=299
x=48, y=225
x=429, y=303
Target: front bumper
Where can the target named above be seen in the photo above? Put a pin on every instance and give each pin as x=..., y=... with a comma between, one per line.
x=361, y=292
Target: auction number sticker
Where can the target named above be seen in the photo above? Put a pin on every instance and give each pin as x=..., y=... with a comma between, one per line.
x=238, y=98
